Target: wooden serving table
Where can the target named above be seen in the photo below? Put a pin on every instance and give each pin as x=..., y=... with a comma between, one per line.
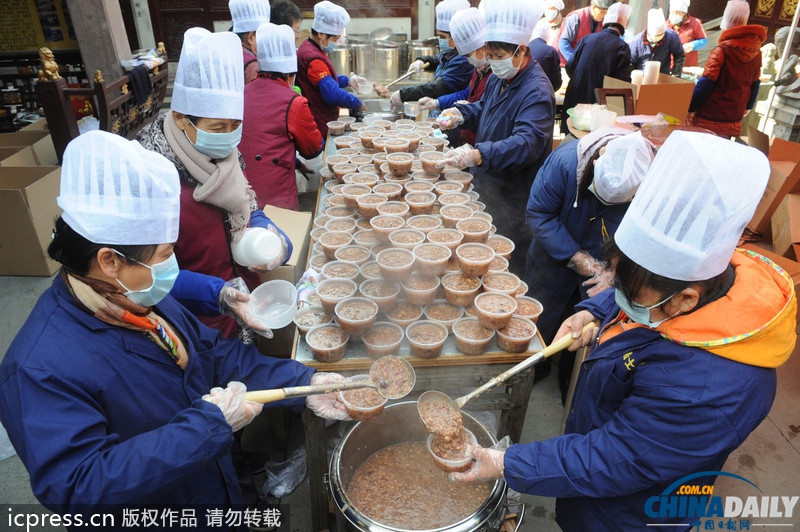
x=453, y=373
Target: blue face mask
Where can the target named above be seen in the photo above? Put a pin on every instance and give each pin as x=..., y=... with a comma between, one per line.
x=217, y=145
x=638, y=313
x=444, y=45
x=330, y=47
x=163, y=274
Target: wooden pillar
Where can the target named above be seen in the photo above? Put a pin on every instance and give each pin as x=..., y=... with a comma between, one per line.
x=59, y=113
x=101, y=36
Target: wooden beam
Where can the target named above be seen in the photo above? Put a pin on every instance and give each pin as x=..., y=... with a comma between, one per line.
x=101, y=36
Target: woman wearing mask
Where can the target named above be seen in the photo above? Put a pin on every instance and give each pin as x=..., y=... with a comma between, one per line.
x=145, y=411
x=452, y=71
x=468, y=31
x=199, y=136
x=316, y=76
x=550, y=25
x=682, y=367
x=277, y=121
x=689, y=29
x=513, y=122
x=247, y=16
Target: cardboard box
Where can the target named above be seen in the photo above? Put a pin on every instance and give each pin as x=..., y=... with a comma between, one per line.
x=39, y=141
x=17, y=156
x=784, y=179
x=785, y=224
x=39, y=125
x=670, y=96
x=28, y=212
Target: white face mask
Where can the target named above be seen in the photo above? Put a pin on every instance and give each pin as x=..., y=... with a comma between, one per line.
x=504, y=68
x=551, y=14
x=655, y=39
x=675, y=19
x=479, y=64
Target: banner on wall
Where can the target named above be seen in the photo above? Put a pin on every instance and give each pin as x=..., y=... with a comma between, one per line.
x=32, y=24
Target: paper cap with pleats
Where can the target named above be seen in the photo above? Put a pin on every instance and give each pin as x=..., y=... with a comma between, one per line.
x=114, y=191
x=736, y=14
x=276, y=51
x=557, y=4
x=329, y=18
x=618, y=13
x=248, y=15
x=209, y=82
x=686, y=219
x=468, y=30
x=679, y=5
x=445, y=11
x=656, y=23
x=620, y=170
x=511, y=21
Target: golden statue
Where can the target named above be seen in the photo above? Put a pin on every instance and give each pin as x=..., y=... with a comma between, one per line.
x=161, y=49
x=49, y=69
x=98, y=76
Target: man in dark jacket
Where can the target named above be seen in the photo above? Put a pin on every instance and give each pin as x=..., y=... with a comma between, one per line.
x=658, y=43
x=598, y=55
x=546, y=55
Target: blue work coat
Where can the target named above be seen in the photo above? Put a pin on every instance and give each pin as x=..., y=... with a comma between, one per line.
x=514, y=134
x=562, y=224
x=100, y=415
x=549, y=60
x=451, y=74
x=669, y=52
x=646, y=412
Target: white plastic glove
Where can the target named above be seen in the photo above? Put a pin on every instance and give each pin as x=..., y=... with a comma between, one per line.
x=688, y=47
x=599, y=282
x=585, y=265
x=488, y=465
x=415, y=66
x=462, y=157
x=395, y=99
x=450, y=118
x=428, y=104
x=238, y=412
x=327, y=406
x=233, y=300
x=354, y=79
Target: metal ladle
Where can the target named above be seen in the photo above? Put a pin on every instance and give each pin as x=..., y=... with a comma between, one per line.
x=457, y=404
x=380, y=380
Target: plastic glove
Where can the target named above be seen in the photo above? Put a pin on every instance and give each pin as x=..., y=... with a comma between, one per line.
x=354, y=80
x=428, y=104
x=574, y=327
x=488, y=463
x=600, y=282
x=327, y=406
x=395, y=99
x=415, y=66
x=585, y=265
x=462, y=157
x=238, y=412
x=450, y=118
x=688, y=47
x=233, y=300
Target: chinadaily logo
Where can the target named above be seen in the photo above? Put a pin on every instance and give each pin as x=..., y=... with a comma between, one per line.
x=694, y=502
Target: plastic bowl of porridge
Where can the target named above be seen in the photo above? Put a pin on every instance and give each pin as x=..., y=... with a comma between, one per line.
x=420, y=290
x=460, y=289
x=503, y=282
x=430, y=159
x=356, y=315
x=452, y=455
x=426, y=338
x=528, y=307
x=431, y=259
x=327, y=342
x=440, y=311
x=339, y=269
x=311, y=316
x=474, y=229
x=362, y=404
x=382, y=292
x=332, y=291
x=383, y=339
x=474, y=258
x=395, y=263
x=517, y=335
x=471, y=337
x=404, y=313
x=384, y=224
x=495, y=309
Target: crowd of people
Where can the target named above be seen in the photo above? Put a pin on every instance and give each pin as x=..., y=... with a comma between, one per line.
x=142, y=401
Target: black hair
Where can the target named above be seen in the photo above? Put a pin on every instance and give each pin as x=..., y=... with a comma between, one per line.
x=76, y=253
x=508, y=47
x=632, y=278
x=243, y=35
x=315, y=32
x=275, y=75
x=615, y=25
x=284, y=12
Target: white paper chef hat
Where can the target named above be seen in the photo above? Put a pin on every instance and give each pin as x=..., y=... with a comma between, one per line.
x=620, y=170
x=618, y=13
x=276, y=51
x=512, y=21
x=557, y=4
x=679, y=5
x=248, y=15
x=114, y=191
x=329, y=18
x=736, y=14
x=686, y=219
x=445, y=11
x=468, y=30
x=541, y=31
x=656, y=23
x=209, y=82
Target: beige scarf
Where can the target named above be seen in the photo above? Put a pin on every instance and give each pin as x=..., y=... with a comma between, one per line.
x=222, y=182
x=107, y=303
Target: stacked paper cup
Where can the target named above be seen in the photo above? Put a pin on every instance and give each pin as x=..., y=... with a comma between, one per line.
x=651, y=70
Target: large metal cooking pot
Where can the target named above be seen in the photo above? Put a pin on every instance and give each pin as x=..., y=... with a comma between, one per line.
x=342, y=59
x=400, y=423
x=363, y=59
x=420, y=48
x=388, y=58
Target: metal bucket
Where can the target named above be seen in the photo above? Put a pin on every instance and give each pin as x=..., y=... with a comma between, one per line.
x=388, y=57
x=400, y=423
x=419, y=48
x=363, y=59
x=342, y=59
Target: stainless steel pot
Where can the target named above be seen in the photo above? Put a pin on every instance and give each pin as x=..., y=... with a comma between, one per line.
x=419, y=48
x=400, y=423
x=388, y=58
x=342, y=59
x=363, y=59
